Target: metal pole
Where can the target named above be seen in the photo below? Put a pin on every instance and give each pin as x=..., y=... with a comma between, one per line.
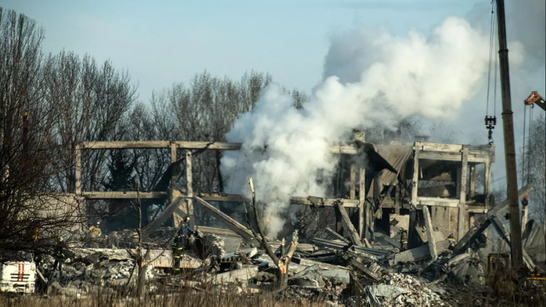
x=509, y=145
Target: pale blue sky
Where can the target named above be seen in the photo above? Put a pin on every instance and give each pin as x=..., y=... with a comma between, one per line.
x=164, y=42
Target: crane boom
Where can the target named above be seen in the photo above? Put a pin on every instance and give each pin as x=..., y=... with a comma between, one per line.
x=509, y=143
x=535, y=99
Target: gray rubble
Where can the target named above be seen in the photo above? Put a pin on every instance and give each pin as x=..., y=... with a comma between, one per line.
x=331, y=271
x=398, y=290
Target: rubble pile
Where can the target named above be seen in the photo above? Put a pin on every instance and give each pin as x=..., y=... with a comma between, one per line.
x=334, y=272
x=322, y=274
x=91, y=270
x=399, y=290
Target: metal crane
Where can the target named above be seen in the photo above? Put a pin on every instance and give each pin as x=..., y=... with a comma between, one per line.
x=535, y=99
x=509, y=143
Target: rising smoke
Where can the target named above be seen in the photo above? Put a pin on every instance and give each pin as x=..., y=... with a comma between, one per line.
x=371, y=78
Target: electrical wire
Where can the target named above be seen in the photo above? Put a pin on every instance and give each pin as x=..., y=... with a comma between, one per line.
x=491, y=120
x=495, y=89
x=491, y=45
x=524, y=140
x=495, y=78
x=529, y=145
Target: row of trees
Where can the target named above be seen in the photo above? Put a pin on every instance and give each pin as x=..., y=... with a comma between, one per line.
x=48, y=103
x=71, y=98
x=67, y=98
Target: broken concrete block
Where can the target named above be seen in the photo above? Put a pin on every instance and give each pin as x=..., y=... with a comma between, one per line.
x=306, y=282
x=343, y=275
x=362, y=268
x=264, y=261
x=453, y=261
x=242, y=275
x=419, y=253
x=387, y=239
x=468, y=271
x=239, y=255
x=321, y=265
x=533, y=241
x=387, y=291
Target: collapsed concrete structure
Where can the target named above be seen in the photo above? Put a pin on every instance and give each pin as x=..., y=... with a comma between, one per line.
x=428, y=189
x=431, y=191
x=387, y=182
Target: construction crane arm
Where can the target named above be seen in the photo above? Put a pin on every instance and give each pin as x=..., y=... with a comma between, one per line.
x=536, y=99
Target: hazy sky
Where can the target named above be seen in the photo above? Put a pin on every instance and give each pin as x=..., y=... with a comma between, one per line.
x=168, y=41
x=162, y=42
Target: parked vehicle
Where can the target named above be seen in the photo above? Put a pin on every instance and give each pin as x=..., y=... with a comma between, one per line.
x=18, y=276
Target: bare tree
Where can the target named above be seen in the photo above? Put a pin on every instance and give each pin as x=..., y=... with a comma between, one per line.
x=26, y=128
x=283, y=257
x=204, y=110
x=532, y=168
x=91, y=100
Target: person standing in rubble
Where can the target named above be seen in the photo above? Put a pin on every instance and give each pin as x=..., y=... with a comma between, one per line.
x=178, y=252
x=185, y=229
x=61, y=253
x=403, y=240
x=180, y=242
x=452, y=241
x=95, y=233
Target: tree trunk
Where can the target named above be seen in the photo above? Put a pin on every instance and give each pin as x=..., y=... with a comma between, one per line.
x=141, y=282
x=282, y=280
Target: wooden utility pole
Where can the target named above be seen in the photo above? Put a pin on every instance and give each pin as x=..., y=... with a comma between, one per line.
x=509, y=145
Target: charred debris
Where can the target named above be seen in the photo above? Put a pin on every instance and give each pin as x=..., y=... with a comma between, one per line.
x=409, y=224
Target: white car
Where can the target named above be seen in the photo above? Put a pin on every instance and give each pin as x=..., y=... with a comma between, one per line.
x=17, y=276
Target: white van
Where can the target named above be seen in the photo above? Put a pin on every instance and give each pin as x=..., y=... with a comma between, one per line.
x=17, y=276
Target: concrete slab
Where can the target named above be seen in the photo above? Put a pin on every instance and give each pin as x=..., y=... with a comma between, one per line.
x=420, y=253
x=241, y=275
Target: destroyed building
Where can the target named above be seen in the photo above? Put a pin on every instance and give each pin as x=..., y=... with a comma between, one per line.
x=429, y=190
x=380, y=185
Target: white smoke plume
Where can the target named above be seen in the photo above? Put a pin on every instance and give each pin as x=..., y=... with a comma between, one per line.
x=372, y=78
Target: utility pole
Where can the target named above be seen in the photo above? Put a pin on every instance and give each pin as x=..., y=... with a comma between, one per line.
x=509, y=144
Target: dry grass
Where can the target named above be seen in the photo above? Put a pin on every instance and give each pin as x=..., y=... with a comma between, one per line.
x=185, y=297
x=193, y=300
x=504, y=288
